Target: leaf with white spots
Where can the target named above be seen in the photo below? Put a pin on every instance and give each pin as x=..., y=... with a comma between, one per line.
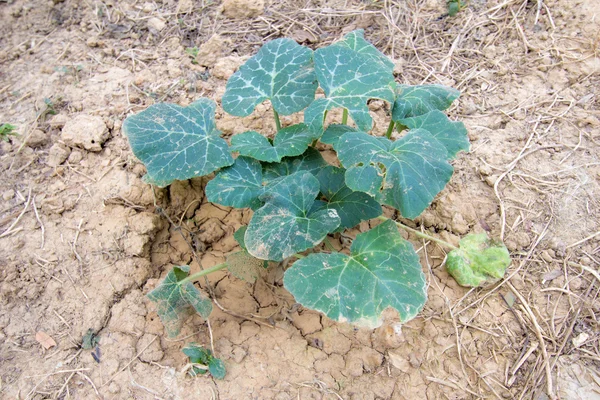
x=351, y=206
x=412, y=101
x=381, y=271
x=311, y=161
x=288, y=142
x=238, y=186
x=177, y=300
x=349, y=79
x=282, y=71
x=334, y=132
x=177, y=143
x=286, y=224
x=406, y=174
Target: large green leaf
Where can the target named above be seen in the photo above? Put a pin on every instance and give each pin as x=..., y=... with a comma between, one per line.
x=177, y=301
x=351, y=206
x=237, y=186
x=382, y=271
x=282, y=71
x=288, y=142
x=349, y=79
x=412, y=101
x=478, y=261
x=177, y=143
x=285, y=225
x=406, y=174
x=311, y=161
x=453, y=135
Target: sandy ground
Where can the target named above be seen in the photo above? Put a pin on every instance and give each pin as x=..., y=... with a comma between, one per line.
x=83, y=239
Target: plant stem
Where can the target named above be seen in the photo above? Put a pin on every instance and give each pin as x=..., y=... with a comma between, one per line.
x=422, y=235
x=277, y=121
x=200, y=274
x=390, y=129
x=345, y=116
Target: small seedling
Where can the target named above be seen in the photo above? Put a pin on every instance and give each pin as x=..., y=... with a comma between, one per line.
x=193, y=53
x=299, y=199
x=202, y=361
x=454, y=6
x=7, y=130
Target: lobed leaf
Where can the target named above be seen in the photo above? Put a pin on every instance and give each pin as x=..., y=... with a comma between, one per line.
x=355, y=40
x=352, y=207
x=289, y=142
x=285, y=225
x=406, y=174
x=381, y=271
x=349, y=79
x=453, y=135
x=177, y=143
x=478, y=261
x=412, y=101
x=239, y=185
x=177, y=301
x=282, y=71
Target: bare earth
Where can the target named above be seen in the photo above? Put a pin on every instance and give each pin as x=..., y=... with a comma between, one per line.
x=83, y=239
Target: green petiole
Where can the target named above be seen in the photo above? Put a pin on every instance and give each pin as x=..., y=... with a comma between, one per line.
x=345, y=116
x=277, y=121
x=421, y=234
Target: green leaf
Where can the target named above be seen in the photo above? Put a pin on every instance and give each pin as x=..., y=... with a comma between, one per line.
x=239, y=236
x=412, y=101
x=177, y=143
x=89, y=340
x=382, y=271
x=237, y=186
x=177, y=301
x=352, y=207
x=245, y=267
x=453, y=135
x=355, y=40
x=285, y=225
x=453, y=8
x=290, y=141
x=282, y=71
x=197, y=354
x=334, y=132
x=349, y=79
x=311, y=161
x=478, y=261
x=406, y=174
x=216, y=367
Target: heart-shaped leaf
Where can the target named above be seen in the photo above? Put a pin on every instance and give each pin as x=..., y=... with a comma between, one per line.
x=334, y=132
x=311, y=161
x=382, y=271
x=478, y=261
x=282, y=71
x=406, y=174
x=349, y=79
x=351, y=206
x=285, y=225
x=177, y=143
x=453, y=135
x=289, y=142
x=412, y=101
x=237, y=186
x=176, y=301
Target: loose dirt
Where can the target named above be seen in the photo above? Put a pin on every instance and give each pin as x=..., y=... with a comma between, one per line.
x=83, y=239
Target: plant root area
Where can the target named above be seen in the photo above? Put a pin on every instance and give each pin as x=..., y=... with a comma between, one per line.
x=83, y=239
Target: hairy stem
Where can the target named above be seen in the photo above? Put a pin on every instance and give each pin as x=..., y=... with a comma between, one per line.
x=277, y=121
x=202, y=273
x=422, y=235
x=390, y=129
x=345, y=116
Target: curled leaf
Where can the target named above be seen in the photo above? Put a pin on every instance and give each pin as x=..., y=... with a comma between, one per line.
x=478, y=261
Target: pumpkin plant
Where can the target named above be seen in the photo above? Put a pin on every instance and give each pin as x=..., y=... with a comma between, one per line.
x=298, y=199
